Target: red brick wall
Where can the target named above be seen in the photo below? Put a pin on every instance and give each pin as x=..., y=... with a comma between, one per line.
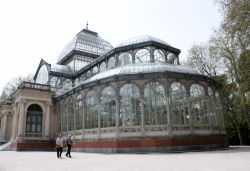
x=155, y=142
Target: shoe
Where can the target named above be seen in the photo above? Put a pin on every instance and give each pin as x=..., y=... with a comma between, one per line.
x=69, y=156
x=66, y=155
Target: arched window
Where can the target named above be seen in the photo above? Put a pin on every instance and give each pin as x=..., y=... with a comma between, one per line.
x=91, y=119
x=124, y=59
x=111, y=63
x=130, y=110
x=103, y=66
x=142, y=55
x=159, y=55
x=199, y=106
x=179, y=105
x=108, y=107
x=34, y=119
x=155, y=112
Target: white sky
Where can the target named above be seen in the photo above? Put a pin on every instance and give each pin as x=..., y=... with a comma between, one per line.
x=31, y=30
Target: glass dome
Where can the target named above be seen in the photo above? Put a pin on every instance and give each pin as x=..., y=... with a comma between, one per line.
x=86, y=41
x=141, y=39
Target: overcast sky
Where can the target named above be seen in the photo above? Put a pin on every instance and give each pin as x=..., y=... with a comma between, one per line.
x=31, y=30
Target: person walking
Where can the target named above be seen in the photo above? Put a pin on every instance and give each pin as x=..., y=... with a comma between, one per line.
x=59, y=146
x=69, y=143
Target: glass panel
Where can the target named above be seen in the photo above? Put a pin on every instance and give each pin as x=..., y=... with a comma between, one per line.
x=196, y=90
x=179, y=105
x=95, y=70
x=159, y=55
x=155, y=104
x=124, y=59
x=108, y=106
x=111, y=63
x=91, y=119
x=43, y=75
x=142, y=55
x=210, y=91
x=130, y=110
x=53, y=81
x=171, y=58
x=103, y=66
x=67, y=84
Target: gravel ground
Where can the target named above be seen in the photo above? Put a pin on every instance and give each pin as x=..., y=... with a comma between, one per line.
x=236, y=158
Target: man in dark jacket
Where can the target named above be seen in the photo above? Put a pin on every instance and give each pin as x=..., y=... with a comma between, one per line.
x=69, y=143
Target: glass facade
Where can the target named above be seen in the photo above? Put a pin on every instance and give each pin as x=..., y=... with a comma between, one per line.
x=139, y=84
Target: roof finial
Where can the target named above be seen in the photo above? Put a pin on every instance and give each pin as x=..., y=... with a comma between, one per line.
x=87, y=24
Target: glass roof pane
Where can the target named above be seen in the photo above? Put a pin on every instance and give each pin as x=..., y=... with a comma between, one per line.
x=86, y=41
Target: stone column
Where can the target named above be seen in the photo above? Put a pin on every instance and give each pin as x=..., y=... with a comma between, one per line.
x=47, y=120
x=21, y=119
x=15, y=121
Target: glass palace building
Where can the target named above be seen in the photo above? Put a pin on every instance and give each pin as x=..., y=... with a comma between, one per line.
x=135, y=97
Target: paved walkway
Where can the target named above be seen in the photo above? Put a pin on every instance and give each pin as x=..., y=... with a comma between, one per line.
x=237, y=159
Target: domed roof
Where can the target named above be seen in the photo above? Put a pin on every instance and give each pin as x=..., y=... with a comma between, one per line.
x=141, y=39
x=86, y=41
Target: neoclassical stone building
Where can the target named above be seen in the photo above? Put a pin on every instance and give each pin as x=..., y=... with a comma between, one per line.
x=135, y=97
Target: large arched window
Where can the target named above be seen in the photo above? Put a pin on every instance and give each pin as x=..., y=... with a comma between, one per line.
x=159, y=55
x=199, y=106
x=142, y=55
x=124, y=59
x=108, y=107
x=179, y=105
x=130, y=110
x=91, y=119
x=155, y=112
x=34, y=119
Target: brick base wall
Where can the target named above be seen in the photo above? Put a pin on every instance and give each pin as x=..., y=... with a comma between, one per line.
x=156, y=144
